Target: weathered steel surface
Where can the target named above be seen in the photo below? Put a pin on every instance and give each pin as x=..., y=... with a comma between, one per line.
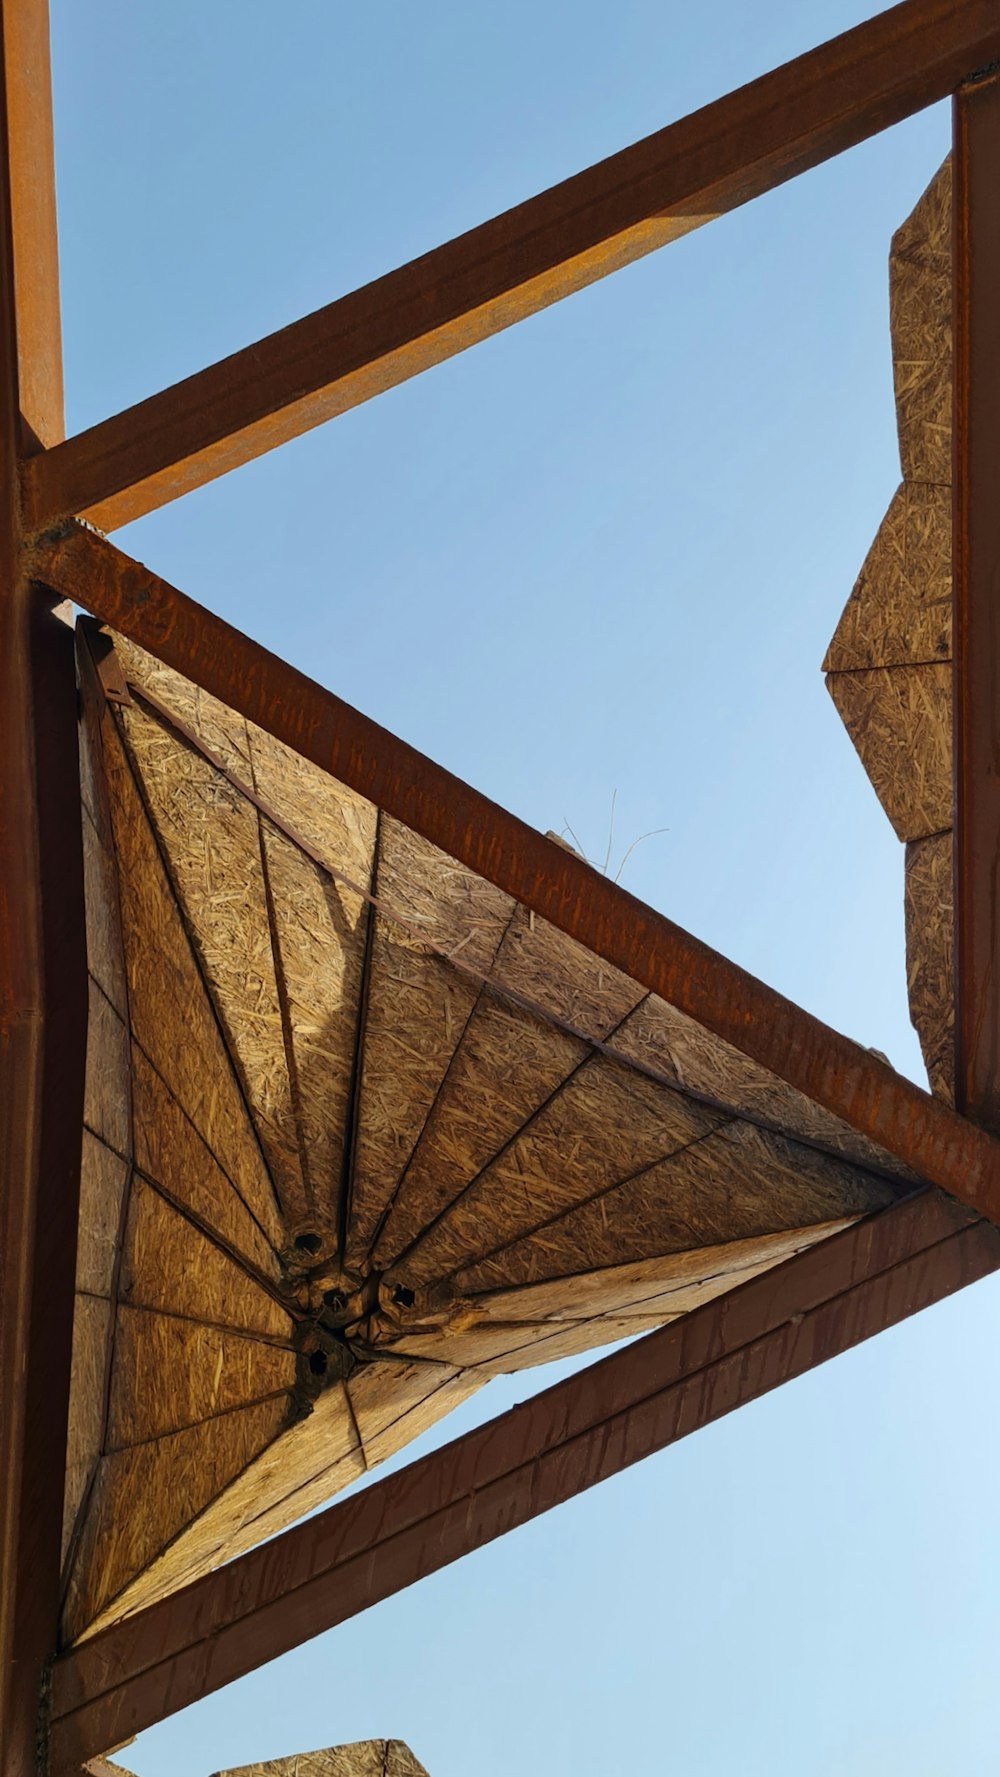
x=976, y=605
x=563, y=1441
x=33, y=217
x=531, y=256
x=42, y=1038
x=830, y=1069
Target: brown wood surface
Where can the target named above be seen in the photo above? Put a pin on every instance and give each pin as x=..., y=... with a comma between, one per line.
x=840, y=1075
x=977, y=608
x=720, y=157
x=557, y=1444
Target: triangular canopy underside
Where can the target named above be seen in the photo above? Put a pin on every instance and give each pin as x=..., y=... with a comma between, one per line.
x=361, y=1133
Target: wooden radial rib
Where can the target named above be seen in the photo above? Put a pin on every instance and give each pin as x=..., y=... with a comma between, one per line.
x=889, y=665
x=362, y=1132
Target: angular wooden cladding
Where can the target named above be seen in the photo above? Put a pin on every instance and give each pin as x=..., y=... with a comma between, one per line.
x=555, y=1446
x=830, y=1069
x=533, y=255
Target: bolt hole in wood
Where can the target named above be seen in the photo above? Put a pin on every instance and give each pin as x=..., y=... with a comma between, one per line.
x=308, y=1243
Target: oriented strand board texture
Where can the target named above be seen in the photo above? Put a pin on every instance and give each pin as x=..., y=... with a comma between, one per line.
x=366, y=1758
x=889, y=663
x=362, y=1134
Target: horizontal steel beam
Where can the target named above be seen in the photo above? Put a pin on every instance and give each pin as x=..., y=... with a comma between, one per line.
x=718, y=158
x=850, y=1081
x=591, y=1426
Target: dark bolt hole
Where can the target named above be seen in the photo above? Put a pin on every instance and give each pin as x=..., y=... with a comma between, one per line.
x=318, y=1362
x=335, y=1299
x=308, y=1243
x=404, y=1297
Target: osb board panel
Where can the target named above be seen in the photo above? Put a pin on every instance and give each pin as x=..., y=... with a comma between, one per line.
x=929, y=956
x=169, y=1264
x=393, y=1403
x=365, y=1758
x=338, y=824
x=899, y=611
x=605, y=1125
x=659, y=1036
x=143, y=1497
x=900, y=722
x=506, y=1066
x=699, y=1197
x=172, y=1016
x=670, y=1280
x=169, y=1373
x=920, y=319
x=171, y=1152
x=210, y=834
x=104, y=940
x=418, y=1008
x=216, y=726
x=103, y=1178
x=312, y=1461
x=106, y=1090
x=91, y=1332
x=502, y=1348
x=237, y=1515
x=320, y=935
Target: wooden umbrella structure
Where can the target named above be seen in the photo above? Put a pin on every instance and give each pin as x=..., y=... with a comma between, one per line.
x=328, y=1089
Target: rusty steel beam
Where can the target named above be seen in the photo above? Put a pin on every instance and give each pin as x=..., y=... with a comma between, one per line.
x=43, y=1023
x=596, y=1423
x=533, y=255
x=855, y=1085
x=976, y=551
x=33, y=219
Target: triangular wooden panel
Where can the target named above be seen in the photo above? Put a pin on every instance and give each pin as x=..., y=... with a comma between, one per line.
x=362, y=1134
x=366, y=1758
x=889, y=664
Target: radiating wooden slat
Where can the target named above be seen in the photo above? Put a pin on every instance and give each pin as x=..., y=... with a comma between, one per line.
x=554, y=1446
x=210, y=835
x=846, y=1079
x=418, y=1009
x=171, y=1013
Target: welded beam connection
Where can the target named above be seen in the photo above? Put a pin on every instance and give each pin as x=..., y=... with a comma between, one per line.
x=829, y=1068
x=553, y=1447
x=722, y=156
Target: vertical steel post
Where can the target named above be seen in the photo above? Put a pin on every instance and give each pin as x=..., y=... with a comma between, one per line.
x=976, y=559
x=43, y=991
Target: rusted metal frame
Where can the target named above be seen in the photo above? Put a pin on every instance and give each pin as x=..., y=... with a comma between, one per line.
x=33, y=220
x=591, y=1426
x=43, y=1021
x=976, y=554
x=531, y=256
x=43, y=997
x=848, y=1080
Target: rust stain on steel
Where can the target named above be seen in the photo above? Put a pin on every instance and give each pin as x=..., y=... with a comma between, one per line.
x=943, y=1148
x=520, y=262
x=556, y=1445
x=25, y=26
x=976, y=610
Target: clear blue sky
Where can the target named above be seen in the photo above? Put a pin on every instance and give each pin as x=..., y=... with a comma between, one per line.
x=603, y=552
